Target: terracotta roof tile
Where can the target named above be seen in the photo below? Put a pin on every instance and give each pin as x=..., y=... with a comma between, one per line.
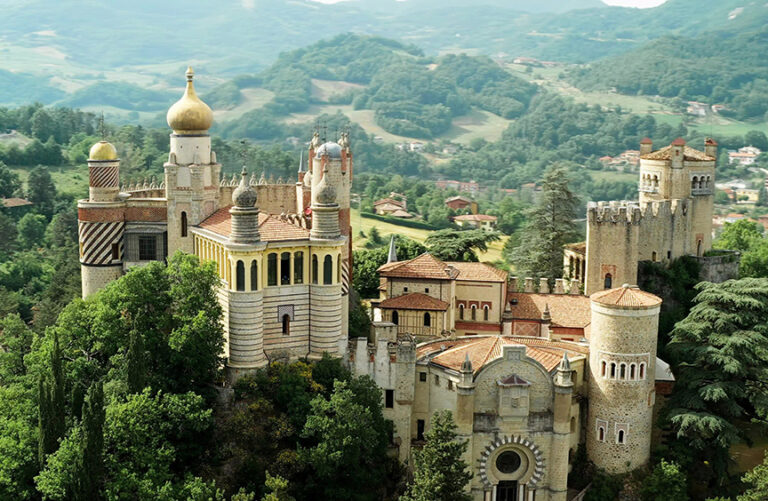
x=423, y=266
x=580, y=247
x=271, y=228
x=630, y=297
x=484, y=349
x=689, y=154
x=478, y=272
x=388, y=201
x=565, y=310
x=414, y=301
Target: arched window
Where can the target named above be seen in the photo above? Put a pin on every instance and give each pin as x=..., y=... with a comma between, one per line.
x=314, y=268
x=474, y=312
x=395, y=318
x=328, y=270
x=642, y=371
x=603, y=366
x=427, y=320
x=286, y=325
x=632, y=371
x=698, y=248
x=285, y=268
x=338, y=269
x=623, y=371
x=272, y=269
x=601, y=434
x=240, y=276
x=573, y=424
x=485, y=312
x=655, y=181
x=694, y=183
x=254, y=275
x=613, y=370
x=653, y=256
x=620, y=437
x=701, y=182
x=461, y=312
x=183, y=224
x=608, y=281
x=298, y=267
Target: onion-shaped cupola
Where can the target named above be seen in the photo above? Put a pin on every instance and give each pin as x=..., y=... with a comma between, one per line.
x=190, y=115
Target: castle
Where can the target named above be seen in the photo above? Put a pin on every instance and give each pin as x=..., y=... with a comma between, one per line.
x=672, y=218
x=528, y=374
x=283, y=251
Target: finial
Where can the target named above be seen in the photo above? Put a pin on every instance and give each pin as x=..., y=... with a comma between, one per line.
x=301, y=162
x=466, y=366
x=392, y=255
x=190, y=74
x=101, y=127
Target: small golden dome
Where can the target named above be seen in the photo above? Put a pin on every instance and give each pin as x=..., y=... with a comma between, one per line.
x=102, y=150
x=190, y=115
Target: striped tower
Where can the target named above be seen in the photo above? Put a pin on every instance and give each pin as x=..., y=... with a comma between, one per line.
x=328, y=314
x=101, y=221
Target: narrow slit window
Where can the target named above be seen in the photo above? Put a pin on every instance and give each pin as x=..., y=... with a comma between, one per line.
x=272, y=269
x=240, y=276
x=254, y=276
x=298, y=267
x=285, y=268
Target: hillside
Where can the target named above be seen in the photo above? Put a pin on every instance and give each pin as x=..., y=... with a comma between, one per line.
x=718, y=68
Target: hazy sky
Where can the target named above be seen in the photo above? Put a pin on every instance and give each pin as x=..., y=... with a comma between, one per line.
x=624, y=3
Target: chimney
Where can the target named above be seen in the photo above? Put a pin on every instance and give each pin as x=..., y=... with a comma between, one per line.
x=710, y=147
x=528, y=284
x=678, y=151
x=512, y=284
x=559, y=286
x=646, y=146
x=543, y=286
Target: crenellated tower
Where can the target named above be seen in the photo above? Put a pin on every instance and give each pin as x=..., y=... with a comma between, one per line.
x=191, y=172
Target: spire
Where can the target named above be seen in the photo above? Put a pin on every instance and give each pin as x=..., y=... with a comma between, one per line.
x=302, y=167
x=545, y=315
x=565, y=364
x=563, y=375
x=466, y=365
x=392, y=255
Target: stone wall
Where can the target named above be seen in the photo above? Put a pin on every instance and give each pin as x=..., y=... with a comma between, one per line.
x=719, y=268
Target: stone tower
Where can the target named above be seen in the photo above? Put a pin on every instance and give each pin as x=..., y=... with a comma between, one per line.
x=622, y=363
x=101, y=221
x=244, y=316
x=191, y=172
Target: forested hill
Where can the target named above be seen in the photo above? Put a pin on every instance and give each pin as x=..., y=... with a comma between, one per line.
x=410, y=94
x=723, y=67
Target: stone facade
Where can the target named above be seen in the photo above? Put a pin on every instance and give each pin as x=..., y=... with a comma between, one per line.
x=672, y=218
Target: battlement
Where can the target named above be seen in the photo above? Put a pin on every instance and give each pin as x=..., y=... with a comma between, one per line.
x=529, y=285
x=628, y=212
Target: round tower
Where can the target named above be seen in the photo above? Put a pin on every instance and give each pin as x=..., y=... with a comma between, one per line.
x=191, y=172
x=101, y=221
x=622, y=363
x=244, y=320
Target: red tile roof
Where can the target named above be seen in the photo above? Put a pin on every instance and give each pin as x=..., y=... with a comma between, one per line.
x=423, y=266
x=484, y=349
x=478, y=272
x=646, y=140
x=689, y=154
x=271, y=227
x=475, y=217
x=388, y=201
x=565, y=310
x=630, y=297
x=414, y=301
x=678, y=142
x=15, y=202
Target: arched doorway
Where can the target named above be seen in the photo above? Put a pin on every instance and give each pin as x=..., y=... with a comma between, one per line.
x=506, y=490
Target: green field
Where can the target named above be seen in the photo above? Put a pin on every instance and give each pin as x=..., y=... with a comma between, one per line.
x=66, y=178
x=387, y=229
x=612, y=175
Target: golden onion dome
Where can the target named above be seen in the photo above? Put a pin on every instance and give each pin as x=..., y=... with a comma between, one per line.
x=102, y=150
x=190, y=115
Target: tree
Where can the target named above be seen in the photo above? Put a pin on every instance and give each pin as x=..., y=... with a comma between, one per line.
x=754, y=262
x=278, y=489
x=9, y=182
x=757, y=139
x=31, y=230
x=365, y=280
x=51, y=416
x=762, y=196
x=91, y=464
x=347, y=457
x=41, y=191
x=722, y=366
x=456, y=245
x=440, y=473
x=757, y=479
x=740, y=235
x=666, y=481
x=135, y=363
x=549, y=227
x=8, y=230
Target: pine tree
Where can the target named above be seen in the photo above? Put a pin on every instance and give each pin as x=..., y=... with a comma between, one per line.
x=135, y=362
x=440, y=474
x=91, y=470
x=550, y=225
x=278, y=489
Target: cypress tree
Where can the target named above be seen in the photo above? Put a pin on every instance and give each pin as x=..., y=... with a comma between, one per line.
x=550, y=225
x=136, y=366
x=440, y=474
x=44, y=444
x=91, y=471
x=57, y=410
